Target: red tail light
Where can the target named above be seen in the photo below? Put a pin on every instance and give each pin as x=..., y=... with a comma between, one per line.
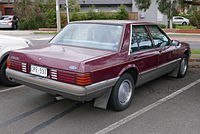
x=83, y=79
x=10, y=21
x=8, y=63
x=14, y=64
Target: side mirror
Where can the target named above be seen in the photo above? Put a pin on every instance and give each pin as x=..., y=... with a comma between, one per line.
x=175, y=43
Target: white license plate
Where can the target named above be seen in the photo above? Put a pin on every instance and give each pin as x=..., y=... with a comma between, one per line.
x=41, y=71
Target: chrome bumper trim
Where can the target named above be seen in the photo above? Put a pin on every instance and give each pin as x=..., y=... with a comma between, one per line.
x=67, y=90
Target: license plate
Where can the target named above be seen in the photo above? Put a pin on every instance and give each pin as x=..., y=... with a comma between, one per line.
x=41, y=71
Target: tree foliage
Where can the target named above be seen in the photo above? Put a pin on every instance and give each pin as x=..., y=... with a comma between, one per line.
x=166, y=7
x=74, y=6
x=143, y=4
x=26, y=8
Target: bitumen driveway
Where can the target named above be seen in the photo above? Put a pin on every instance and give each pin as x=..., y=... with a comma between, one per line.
x=24, y=110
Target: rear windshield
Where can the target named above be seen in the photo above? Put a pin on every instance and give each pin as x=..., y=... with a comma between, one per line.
x=100, y=36
x=6, y=18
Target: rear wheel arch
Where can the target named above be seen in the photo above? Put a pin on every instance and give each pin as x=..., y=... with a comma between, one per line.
x=133, y=71
x=4, y=57
x=184, y=23
x=187, y=53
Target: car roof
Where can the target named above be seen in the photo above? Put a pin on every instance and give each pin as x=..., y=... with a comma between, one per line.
x=119, y=22
x=8, y=16
x=178, y=16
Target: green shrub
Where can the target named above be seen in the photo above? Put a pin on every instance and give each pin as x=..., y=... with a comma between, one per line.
x=92, y=15
x=50, y=16
x=162, y=25
x=123, y=13
x=32, y=23
x=195, y=19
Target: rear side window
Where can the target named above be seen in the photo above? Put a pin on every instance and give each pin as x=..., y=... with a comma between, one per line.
x=6, y=18
x=134, y=43
x=140, y=39
x=159, y=38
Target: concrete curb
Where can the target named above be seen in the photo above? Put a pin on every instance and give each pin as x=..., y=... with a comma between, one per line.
x=194, y=60
x=194, y=66
x=194, y=63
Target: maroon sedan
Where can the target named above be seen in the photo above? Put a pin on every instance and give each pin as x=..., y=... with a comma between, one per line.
x=102, y=60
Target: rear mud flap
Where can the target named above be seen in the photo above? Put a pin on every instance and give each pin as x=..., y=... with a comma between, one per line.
x=102, y=101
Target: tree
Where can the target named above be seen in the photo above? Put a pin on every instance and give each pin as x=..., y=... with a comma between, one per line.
x=25, y=8
x=167, y=7
x=74, y=6
x=143, y=4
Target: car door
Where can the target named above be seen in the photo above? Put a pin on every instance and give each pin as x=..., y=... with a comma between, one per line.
x=143, y=54
x=167, y=52
x=178, y=20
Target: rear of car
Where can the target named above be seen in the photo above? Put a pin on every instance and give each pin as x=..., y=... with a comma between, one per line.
x=8, y=21
x=59, y=67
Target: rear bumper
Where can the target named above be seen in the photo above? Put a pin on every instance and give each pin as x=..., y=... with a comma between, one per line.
x=80, y=93
x=5, y=26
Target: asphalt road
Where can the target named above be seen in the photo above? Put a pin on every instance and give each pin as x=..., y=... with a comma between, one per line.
x=164, y=106
x=24, y=110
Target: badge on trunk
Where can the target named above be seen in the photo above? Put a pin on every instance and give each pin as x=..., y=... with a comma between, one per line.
x=72, y=67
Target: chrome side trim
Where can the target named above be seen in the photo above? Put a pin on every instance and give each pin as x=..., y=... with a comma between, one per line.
x=101, y=85
x=157, y=72
x=169, y=63
x=160, y=66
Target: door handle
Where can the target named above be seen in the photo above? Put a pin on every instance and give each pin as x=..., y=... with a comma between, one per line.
x=160, y=51
x=135, y=56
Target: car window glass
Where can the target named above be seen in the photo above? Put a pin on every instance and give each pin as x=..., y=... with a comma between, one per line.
x=101, y=36
x=134, y=43
x=5, y=18
x=159, y=38
x=143, y=38
x=179, y=18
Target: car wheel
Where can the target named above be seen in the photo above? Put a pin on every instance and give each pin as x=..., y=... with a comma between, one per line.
x=183, y=67
x=184, y=23
x=122, y=93
x=14, y=26
x=3, y=78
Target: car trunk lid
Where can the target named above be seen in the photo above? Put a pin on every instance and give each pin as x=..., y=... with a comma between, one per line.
x=57, y=56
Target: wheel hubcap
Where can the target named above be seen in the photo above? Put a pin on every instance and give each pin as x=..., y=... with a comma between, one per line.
x=183, y=66
x=125, y=92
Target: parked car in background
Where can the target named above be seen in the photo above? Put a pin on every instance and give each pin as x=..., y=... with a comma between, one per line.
x=89, y=59
x=8, y=21
x=180, y=20
x=8, y=43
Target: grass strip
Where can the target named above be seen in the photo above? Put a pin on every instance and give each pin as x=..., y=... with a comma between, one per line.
x=45, y=32
x=183, y=34
x=195, y=51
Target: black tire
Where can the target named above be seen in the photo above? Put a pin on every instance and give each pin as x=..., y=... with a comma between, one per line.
x=14, y=26
x=184, y=23
x=183, y=67
x=114, y=101
x=3, y=78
